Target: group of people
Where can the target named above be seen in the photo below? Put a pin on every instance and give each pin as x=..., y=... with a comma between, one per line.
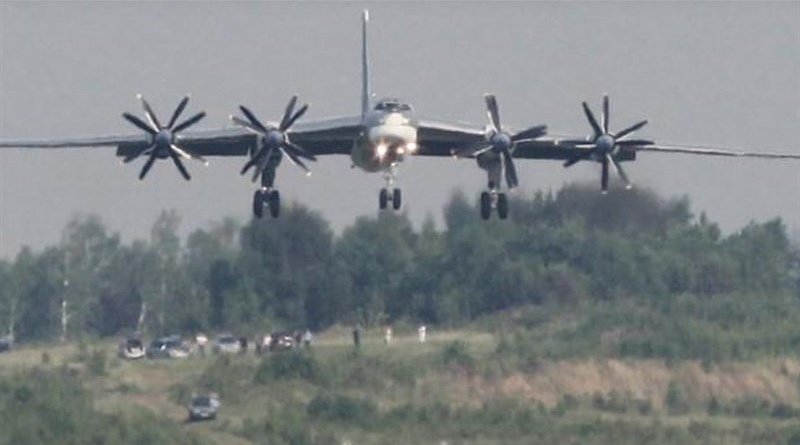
x=422, y=331
x=267, y=342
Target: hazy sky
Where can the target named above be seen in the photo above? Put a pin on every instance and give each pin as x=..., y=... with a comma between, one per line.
x=724, y=74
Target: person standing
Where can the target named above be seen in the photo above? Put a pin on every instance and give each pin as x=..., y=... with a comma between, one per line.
x=307, y=337
x=357, y=336
x=201, y=341
x=387, y=336
x=423, y=333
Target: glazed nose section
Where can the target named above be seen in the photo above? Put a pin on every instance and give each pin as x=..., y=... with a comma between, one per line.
x=605, y=143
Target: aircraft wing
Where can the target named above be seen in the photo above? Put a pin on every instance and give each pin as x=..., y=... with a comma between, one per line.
x=81, y=142
x=442, y=139
x=714, y=151
x=328, y=136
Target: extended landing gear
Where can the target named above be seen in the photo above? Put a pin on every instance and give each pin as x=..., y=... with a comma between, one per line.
x=384, y=197
x=494, y=200
x=271, y=198
x=395, y=197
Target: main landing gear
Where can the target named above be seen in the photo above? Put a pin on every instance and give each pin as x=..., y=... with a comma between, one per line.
x=493, y=199
x=395, y=196
x=266, y=197
x=384, y=197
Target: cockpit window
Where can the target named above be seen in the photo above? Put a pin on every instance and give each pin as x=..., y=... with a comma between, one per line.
x=392, y=106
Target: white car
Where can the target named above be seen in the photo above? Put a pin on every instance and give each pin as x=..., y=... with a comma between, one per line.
x=131, y=349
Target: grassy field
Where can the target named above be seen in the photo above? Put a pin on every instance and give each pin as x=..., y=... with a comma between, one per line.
x=458, y=387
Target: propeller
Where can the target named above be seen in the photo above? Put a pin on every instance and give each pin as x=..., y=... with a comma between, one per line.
x=604, y=145
x=501, y=142
x=164, y=138
x=274, y=138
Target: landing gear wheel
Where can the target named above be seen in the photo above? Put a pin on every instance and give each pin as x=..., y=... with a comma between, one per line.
x=275, y=204
x=396, y=199
x=502, y=206
x=486, y=205
x=383, y=199
x=258, y=204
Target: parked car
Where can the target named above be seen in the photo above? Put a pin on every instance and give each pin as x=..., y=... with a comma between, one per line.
x=204, y=407
x=168, y=347
x=227, y=344
x=5, y=344
x=131, y=348
x=281, y=341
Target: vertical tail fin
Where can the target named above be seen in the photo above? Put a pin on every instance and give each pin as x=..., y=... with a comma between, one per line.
x=365, y=89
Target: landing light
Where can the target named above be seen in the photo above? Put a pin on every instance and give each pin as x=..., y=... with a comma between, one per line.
x=412, y=147
x=381, y=149
x=400, y=150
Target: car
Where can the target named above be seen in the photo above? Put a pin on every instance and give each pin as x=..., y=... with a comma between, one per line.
x=281, y=341
x=131, y=348
x=5, y=344
x=204, y=407
x=168, y=347
x=227, y=344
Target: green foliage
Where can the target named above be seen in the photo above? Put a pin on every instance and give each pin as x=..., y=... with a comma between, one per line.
x=51, y=407
x=342, y=408
x=288, y=365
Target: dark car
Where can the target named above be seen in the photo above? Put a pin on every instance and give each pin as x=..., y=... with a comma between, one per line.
x=168, y=347
x=204, y=407
x=5, y=344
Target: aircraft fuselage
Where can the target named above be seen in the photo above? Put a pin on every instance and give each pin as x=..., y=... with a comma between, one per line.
x=387, y=137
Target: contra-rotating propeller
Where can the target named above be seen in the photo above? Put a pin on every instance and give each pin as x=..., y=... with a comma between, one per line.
x=274, y=137
x=164, y=140
x=501, y=142
x=604, y=145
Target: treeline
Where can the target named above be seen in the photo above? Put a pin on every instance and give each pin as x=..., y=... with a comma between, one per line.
x=559, y=249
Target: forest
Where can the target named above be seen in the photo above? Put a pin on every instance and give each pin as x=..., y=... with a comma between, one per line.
x=567, y=249
x=624, y=318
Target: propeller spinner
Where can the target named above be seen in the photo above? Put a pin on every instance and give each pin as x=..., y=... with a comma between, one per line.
x=164, y=138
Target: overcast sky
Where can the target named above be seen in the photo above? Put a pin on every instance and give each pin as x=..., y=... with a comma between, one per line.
x=724, y=74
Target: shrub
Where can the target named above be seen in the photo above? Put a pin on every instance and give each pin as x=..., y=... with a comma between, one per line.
x=288, y=365
x=342, y=408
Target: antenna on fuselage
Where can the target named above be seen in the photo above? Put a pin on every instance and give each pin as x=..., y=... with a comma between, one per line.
x=365, y=89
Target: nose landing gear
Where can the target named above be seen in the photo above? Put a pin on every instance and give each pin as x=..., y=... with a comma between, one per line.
x=395, y=197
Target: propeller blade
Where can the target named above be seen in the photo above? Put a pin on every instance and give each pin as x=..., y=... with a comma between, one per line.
x=530, y=133
x=133, y=156
x=630, y=142
x=151, y=116
x=300, y=151
x=261, y=163
x=511, y=171
x=287, y=113
x=178, y=111
x=253, y=120
x=630, y=129
x=189, y=122
x=620, y=172
x=606, y=114
x=139, y=123
x=296, y=116
x=482, y=150
x=294, y=159
x=250, y=163
x=241, y=122
x=592, y=120
x=579, y=157
x=188, y=154
x=604, y=177
x=494, y=113
x=179, y=164
x=148, y=165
